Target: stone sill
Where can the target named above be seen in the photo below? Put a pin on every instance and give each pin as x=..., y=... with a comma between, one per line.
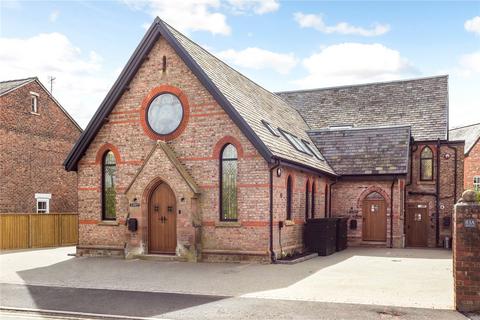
x=34, y=113
x=108, y=223
x=228, y=224
x=289, y=223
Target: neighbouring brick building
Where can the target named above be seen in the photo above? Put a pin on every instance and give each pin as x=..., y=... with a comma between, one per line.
x=471, y=135
x=212, y=166
x=36, y=134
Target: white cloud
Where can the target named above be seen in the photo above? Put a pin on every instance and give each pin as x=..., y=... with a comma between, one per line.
x=257, y=6
x=257, y=59
x=473, y=25
x=316, y=22
x=80, y=84
x=470, y=63
x=350, y=63
x=53, y=16
x=186, y=15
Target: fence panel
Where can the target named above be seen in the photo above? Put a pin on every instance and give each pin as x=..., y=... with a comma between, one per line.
x=22, y=231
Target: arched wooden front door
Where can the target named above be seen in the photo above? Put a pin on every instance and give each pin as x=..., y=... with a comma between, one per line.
x=374, y=218
x=162, y=226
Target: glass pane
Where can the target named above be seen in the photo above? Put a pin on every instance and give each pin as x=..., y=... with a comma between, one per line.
x=229, y=152
x=427, y=153
x=165, y=113
x=229, y=189
x=427, y=169
x=375, y=196
x=109, y=194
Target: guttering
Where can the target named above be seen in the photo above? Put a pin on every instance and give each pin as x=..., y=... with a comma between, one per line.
x=305, y=168
x=272, y=253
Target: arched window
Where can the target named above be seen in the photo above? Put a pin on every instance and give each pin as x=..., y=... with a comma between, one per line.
x=313, y=200
x=426, y=164
x=307, y=200
x=228, y=183
x=109, y=168
x=289, y=198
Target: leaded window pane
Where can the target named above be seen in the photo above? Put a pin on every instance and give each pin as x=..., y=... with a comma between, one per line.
x=165, y=113
x=427, y=169
x=109, y=194
x=229, y=209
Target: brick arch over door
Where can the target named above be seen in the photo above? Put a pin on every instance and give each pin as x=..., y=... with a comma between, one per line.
x=372, y=189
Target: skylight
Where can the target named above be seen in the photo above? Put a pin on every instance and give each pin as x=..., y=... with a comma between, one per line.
x=296, y=142
x=314, y=150
x=271, y=129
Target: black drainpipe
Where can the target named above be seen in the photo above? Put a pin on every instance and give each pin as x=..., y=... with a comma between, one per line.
x=330, y=199
x=272, y=254
x=413, y=149
x=437, y=197
x=391, y=212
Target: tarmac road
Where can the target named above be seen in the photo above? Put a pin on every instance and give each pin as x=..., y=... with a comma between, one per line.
x=121, y=304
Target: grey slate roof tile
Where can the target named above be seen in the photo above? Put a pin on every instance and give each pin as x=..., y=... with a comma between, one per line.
x=421, y=103
x=470, y=134
x=360, y=151
x=9, y=85
x=255, y=104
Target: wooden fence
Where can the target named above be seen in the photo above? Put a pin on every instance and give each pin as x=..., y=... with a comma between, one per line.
x=38, y=230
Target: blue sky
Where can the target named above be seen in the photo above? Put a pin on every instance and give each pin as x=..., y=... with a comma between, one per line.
x=282, y=45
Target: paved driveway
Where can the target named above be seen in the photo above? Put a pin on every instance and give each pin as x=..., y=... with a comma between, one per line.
x=396, y=277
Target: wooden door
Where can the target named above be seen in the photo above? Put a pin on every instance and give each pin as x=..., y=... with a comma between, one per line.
x=162, y=231
x=417, y=225
x=374, y=220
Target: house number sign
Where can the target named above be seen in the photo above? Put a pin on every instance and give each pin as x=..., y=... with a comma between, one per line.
x=470, y=223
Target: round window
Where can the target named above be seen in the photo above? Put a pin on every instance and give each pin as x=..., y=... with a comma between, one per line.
x=165, y=113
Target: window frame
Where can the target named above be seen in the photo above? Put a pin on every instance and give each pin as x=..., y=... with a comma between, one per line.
x=314, y=150
x=476, y=183
x=43, y=198
x=34, y=102
x=289, y=200
x=221, y=211
x=102, y=193
x=422, y=159
x=270, y=128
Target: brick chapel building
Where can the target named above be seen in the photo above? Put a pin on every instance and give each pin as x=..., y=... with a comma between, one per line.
x=471, y=135
x=36, y=134
x=214, y=167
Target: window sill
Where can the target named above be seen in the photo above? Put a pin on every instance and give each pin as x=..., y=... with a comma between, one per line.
x=34, y=113
x=108, y=223
x=289, y=223
x=228, y=224
x=426, y=182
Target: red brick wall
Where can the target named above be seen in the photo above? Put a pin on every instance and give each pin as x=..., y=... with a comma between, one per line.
x=33, y=148
x=347, y=200
x=472, y=166
x=466, y=253
x=447, y=196
x=195, y=148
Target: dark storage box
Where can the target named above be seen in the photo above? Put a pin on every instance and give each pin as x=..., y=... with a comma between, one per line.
x=342, y=232
x=320, y=235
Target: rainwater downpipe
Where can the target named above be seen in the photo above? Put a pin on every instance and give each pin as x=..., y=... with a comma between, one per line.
x=391, y=211
x=272, y=253
x=454, y=174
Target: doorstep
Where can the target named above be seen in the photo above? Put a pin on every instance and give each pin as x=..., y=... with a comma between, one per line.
x=159, y=257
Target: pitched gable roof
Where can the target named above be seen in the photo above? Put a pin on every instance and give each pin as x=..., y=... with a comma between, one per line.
x=9, y=85
x=421, y=103
x=356, y=151
x=470, y=133
x=243, y=100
